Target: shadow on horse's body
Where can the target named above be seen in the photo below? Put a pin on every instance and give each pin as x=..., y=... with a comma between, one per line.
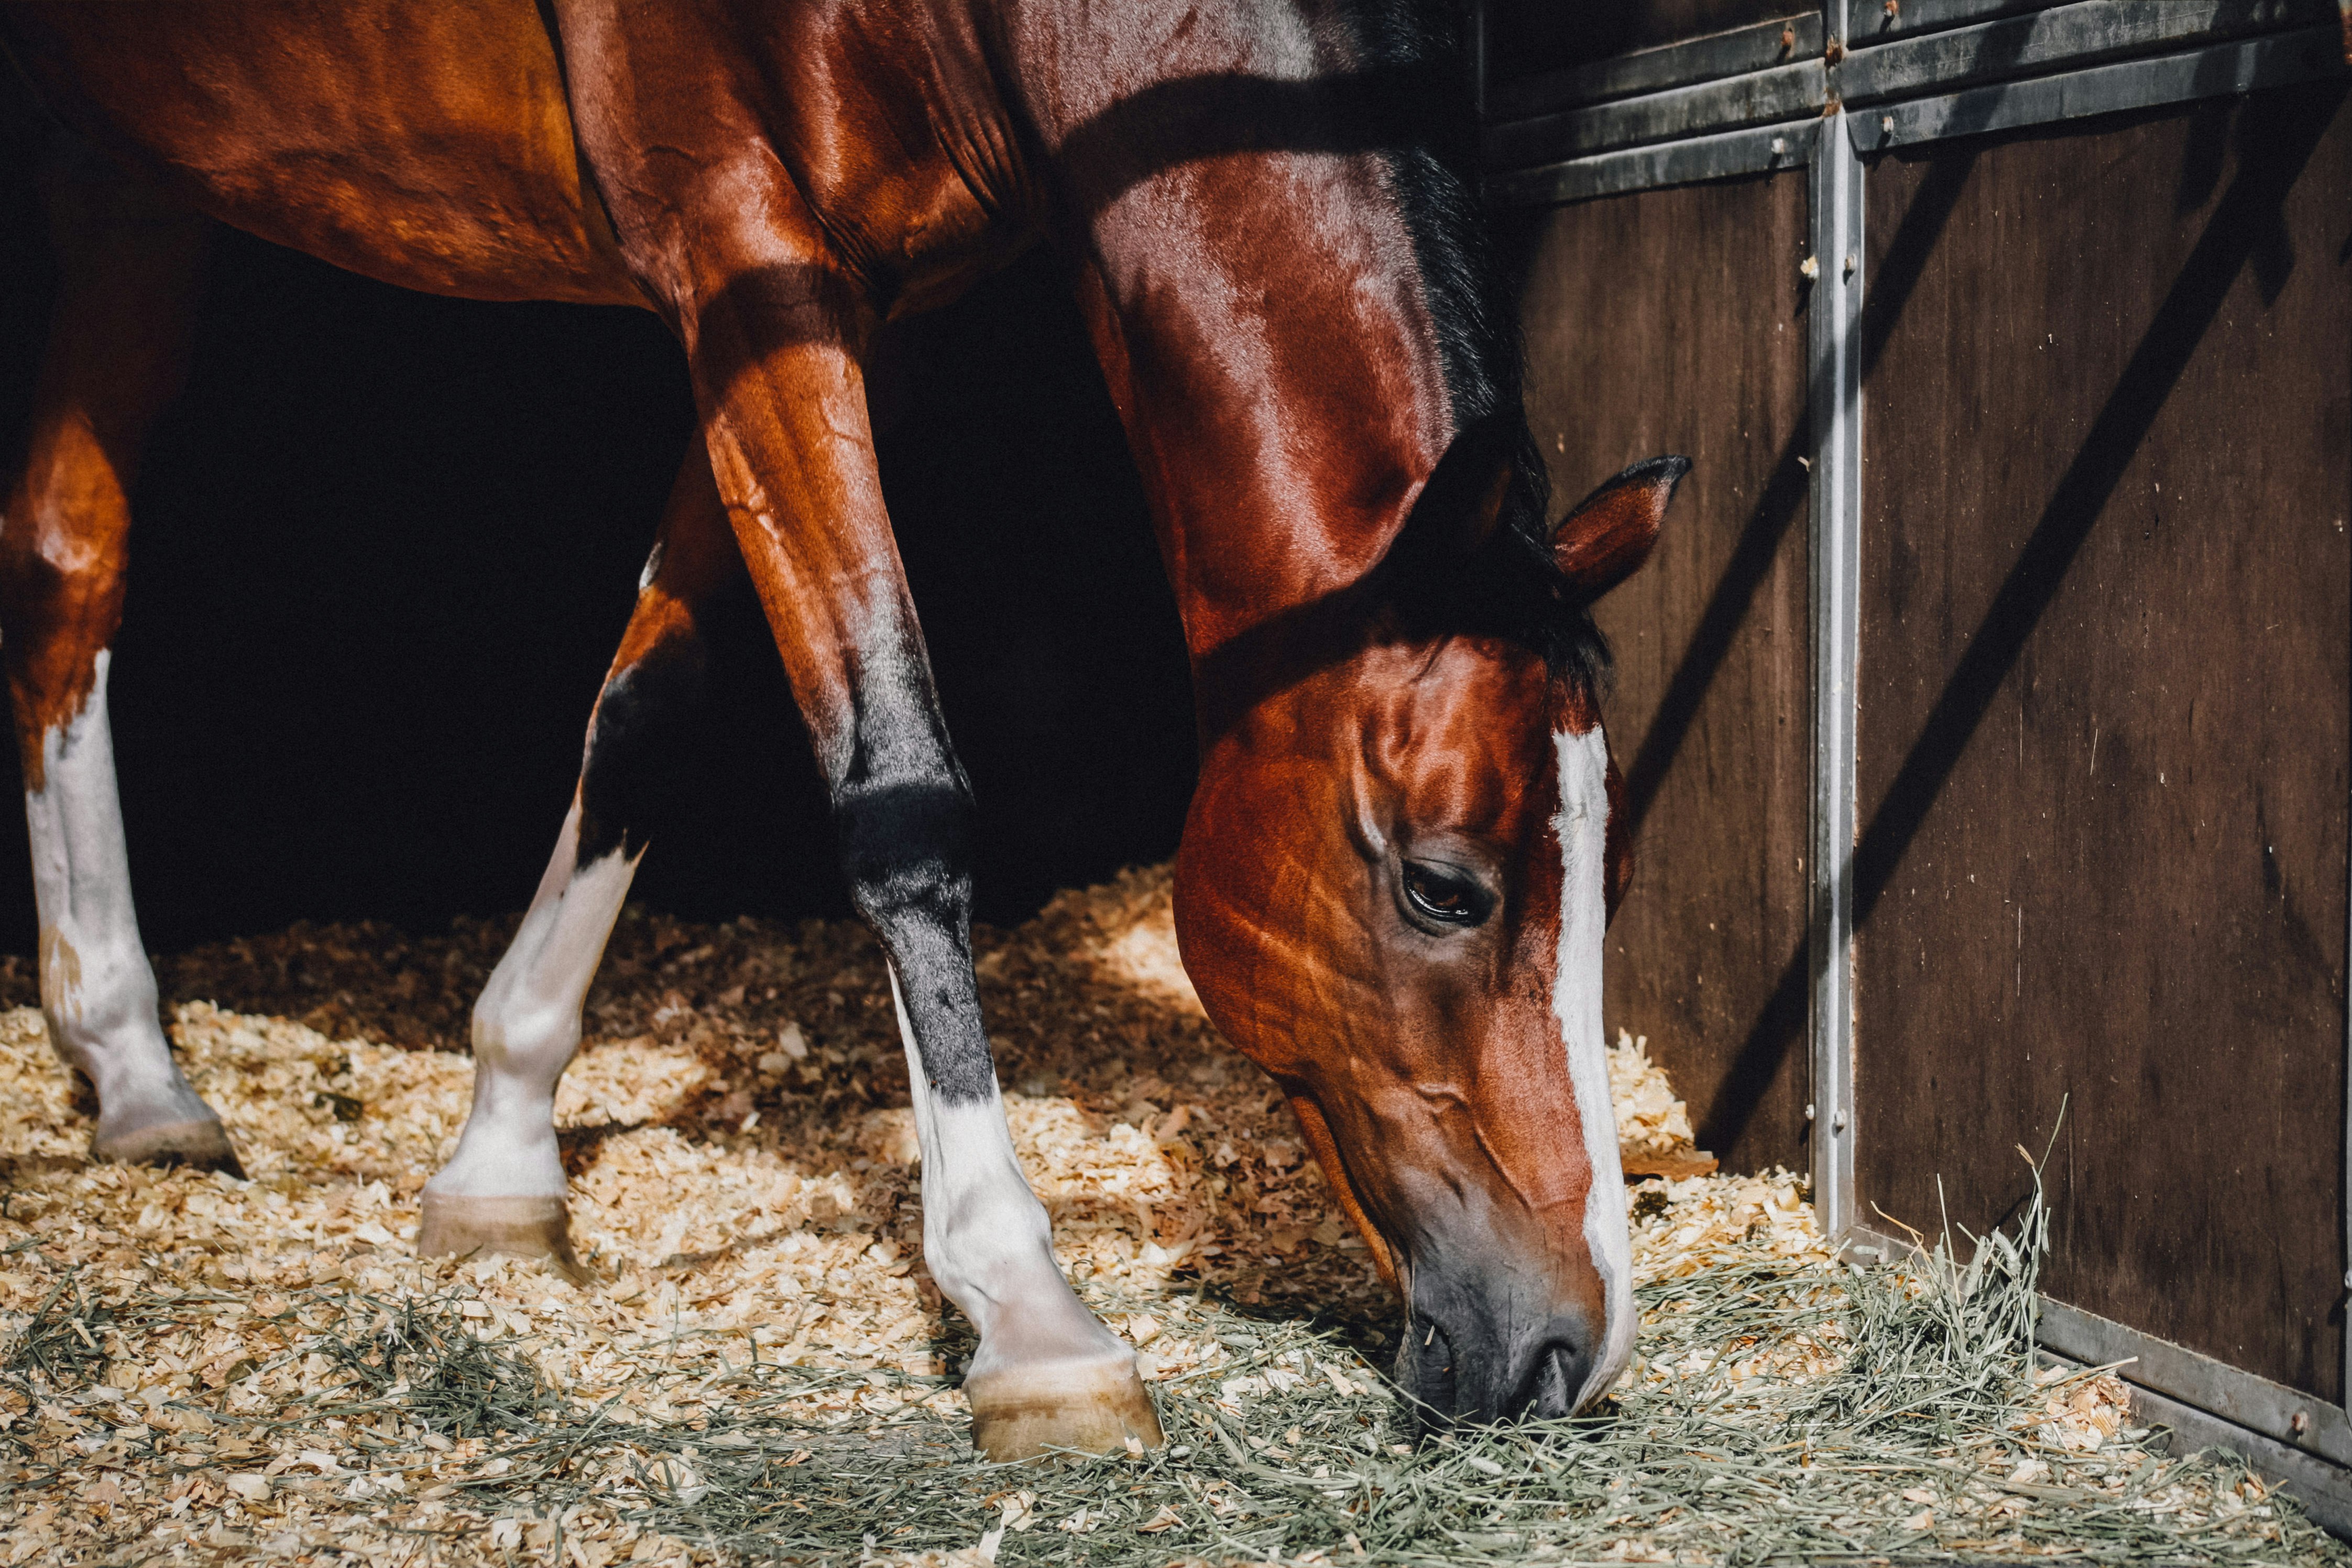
x=1399, y=863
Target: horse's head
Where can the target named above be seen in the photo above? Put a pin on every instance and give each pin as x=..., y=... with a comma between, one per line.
x=1392, y=894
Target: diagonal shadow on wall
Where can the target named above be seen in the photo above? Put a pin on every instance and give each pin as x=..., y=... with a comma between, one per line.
x=1777, y=509
x=2277, y=136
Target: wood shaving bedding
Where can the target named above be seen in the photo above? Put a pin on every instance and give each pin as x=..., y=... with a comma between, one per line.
x=745, y=1185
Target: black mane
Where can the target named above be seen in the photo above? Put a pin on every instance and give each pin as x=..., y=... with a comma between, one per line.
x=1431, y=148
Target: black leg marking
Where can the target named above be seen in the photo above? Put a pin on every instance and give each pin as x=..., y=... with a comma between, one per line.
x=630, y=771
x=902, y=809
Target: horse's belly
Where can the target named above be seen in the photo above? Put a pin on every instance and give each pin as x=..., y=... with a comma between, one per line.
x=424, y=142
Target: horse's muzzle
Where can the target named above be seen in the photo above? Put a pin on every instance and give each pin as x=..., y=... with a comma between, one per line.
x=1474, y=1356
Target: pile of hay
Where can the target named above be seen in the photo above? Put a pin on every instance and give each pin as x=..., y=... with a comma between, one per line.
x=199, y=1369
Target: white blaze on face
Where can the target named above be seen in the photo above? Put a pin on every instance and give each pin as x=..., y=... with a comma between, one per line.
x=1582, y=826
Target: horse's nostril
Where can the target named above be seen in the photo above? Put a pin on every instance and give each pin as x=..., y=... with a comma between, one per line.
x=1560, y=1372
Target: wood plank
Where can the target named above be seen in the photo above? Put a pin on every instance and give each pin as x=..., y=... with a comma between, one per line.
x=2107, y=630
x=1669, y=321
x=1754, y=47
x=1781, y=92
x=1529, y=38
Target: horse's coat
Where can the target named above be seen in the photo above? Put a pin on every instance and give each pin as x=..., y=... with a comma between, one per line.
x=1400, y=856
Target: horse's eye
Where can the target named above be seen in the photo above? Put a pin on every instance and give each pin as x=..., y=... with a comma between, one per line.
x=1442, y=893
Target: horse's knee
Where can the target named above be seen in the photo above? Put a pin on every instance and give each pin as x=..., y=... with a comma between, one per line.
x=906, y=846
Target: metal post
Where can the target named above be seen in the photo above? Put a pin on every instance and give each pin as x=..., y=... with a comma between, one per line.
x=1835, y=401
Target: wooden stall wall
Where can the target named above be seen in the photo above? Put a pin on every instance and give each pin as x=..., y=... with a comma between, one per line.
x=1529, y=38
x=2107, y=629
x=1673, y=321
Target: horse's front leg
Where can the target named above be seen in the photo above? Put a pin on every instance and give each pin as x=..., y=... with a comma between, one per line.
x=795, y=460
x=128, y=263
x=503, y=1191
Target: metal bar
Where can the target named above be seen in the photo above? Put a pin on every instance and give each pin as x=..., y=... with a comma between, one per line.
x=2286, y=1417
x=1720, y=157
x=2326, y=1491
x=2009, y=53
x=2302, y=1421
x=2226, y=69
x=1880, y=23
x=1833, y=398
x=1783, y=92
x=2086, y=34
x=1909, y=18
x=1720, y=55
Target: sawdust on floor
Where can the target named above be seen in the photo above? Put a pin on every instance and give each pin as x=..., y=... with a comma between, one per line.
x=743, y=1173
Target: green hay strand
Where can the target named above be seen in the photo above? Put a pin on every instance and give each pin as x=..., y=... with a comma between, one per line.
x=1722, y=1459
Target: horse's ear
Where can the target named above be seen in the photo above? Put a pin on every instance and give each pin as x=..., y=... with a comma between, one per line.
x=1609, y=535
x=1458, y=510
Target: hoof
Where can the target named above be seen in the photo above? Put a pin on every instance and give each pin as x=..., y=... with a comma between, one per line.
x=1018, y=1414
x=202, y=1144
x=455, y=1225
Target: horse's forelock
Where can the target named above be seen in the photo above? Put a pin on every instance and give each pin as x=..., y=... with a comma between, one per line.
x=1510, y=590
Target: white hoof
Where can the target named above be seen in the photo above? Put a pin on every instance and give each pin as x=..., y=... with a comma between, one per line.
x=456, y=1226
x=201, y=1141
x=1095, y=1407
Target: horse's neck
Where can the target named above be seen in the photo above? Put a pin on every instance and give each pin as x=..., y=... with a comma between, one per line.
x=1253, y=289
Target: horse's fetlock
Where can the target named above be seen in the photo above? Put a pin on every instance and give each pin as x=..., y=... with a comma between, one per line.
x=508, y=1029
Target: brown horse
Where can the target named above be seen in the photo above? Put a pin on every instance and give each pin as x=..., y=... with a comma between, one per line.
x=1398, y=867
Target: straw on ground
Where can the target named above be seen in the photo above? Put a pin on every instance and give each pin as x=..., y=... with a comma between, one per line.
x=196, y=1369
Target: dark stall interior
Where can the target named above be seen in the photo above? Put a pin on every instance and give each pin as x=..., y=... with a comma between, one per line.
x=386, y=543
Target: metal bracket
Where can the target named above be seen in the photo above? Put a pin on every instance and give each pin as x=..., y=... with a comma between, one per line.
x=2088, y=33
x=1782, y=93
x=1909, y=18
x=1725, y=156
x=2302, y=1421
x=1755, y=48
x=2283, y=1431
x=2221, y=70
x=2016, y=56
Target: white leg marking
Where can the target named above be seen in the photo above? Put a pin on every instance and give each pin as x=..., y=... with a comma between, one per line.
x=1583, y=829
x=527, y=1028
x=97, y=989
x=985, y=1236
